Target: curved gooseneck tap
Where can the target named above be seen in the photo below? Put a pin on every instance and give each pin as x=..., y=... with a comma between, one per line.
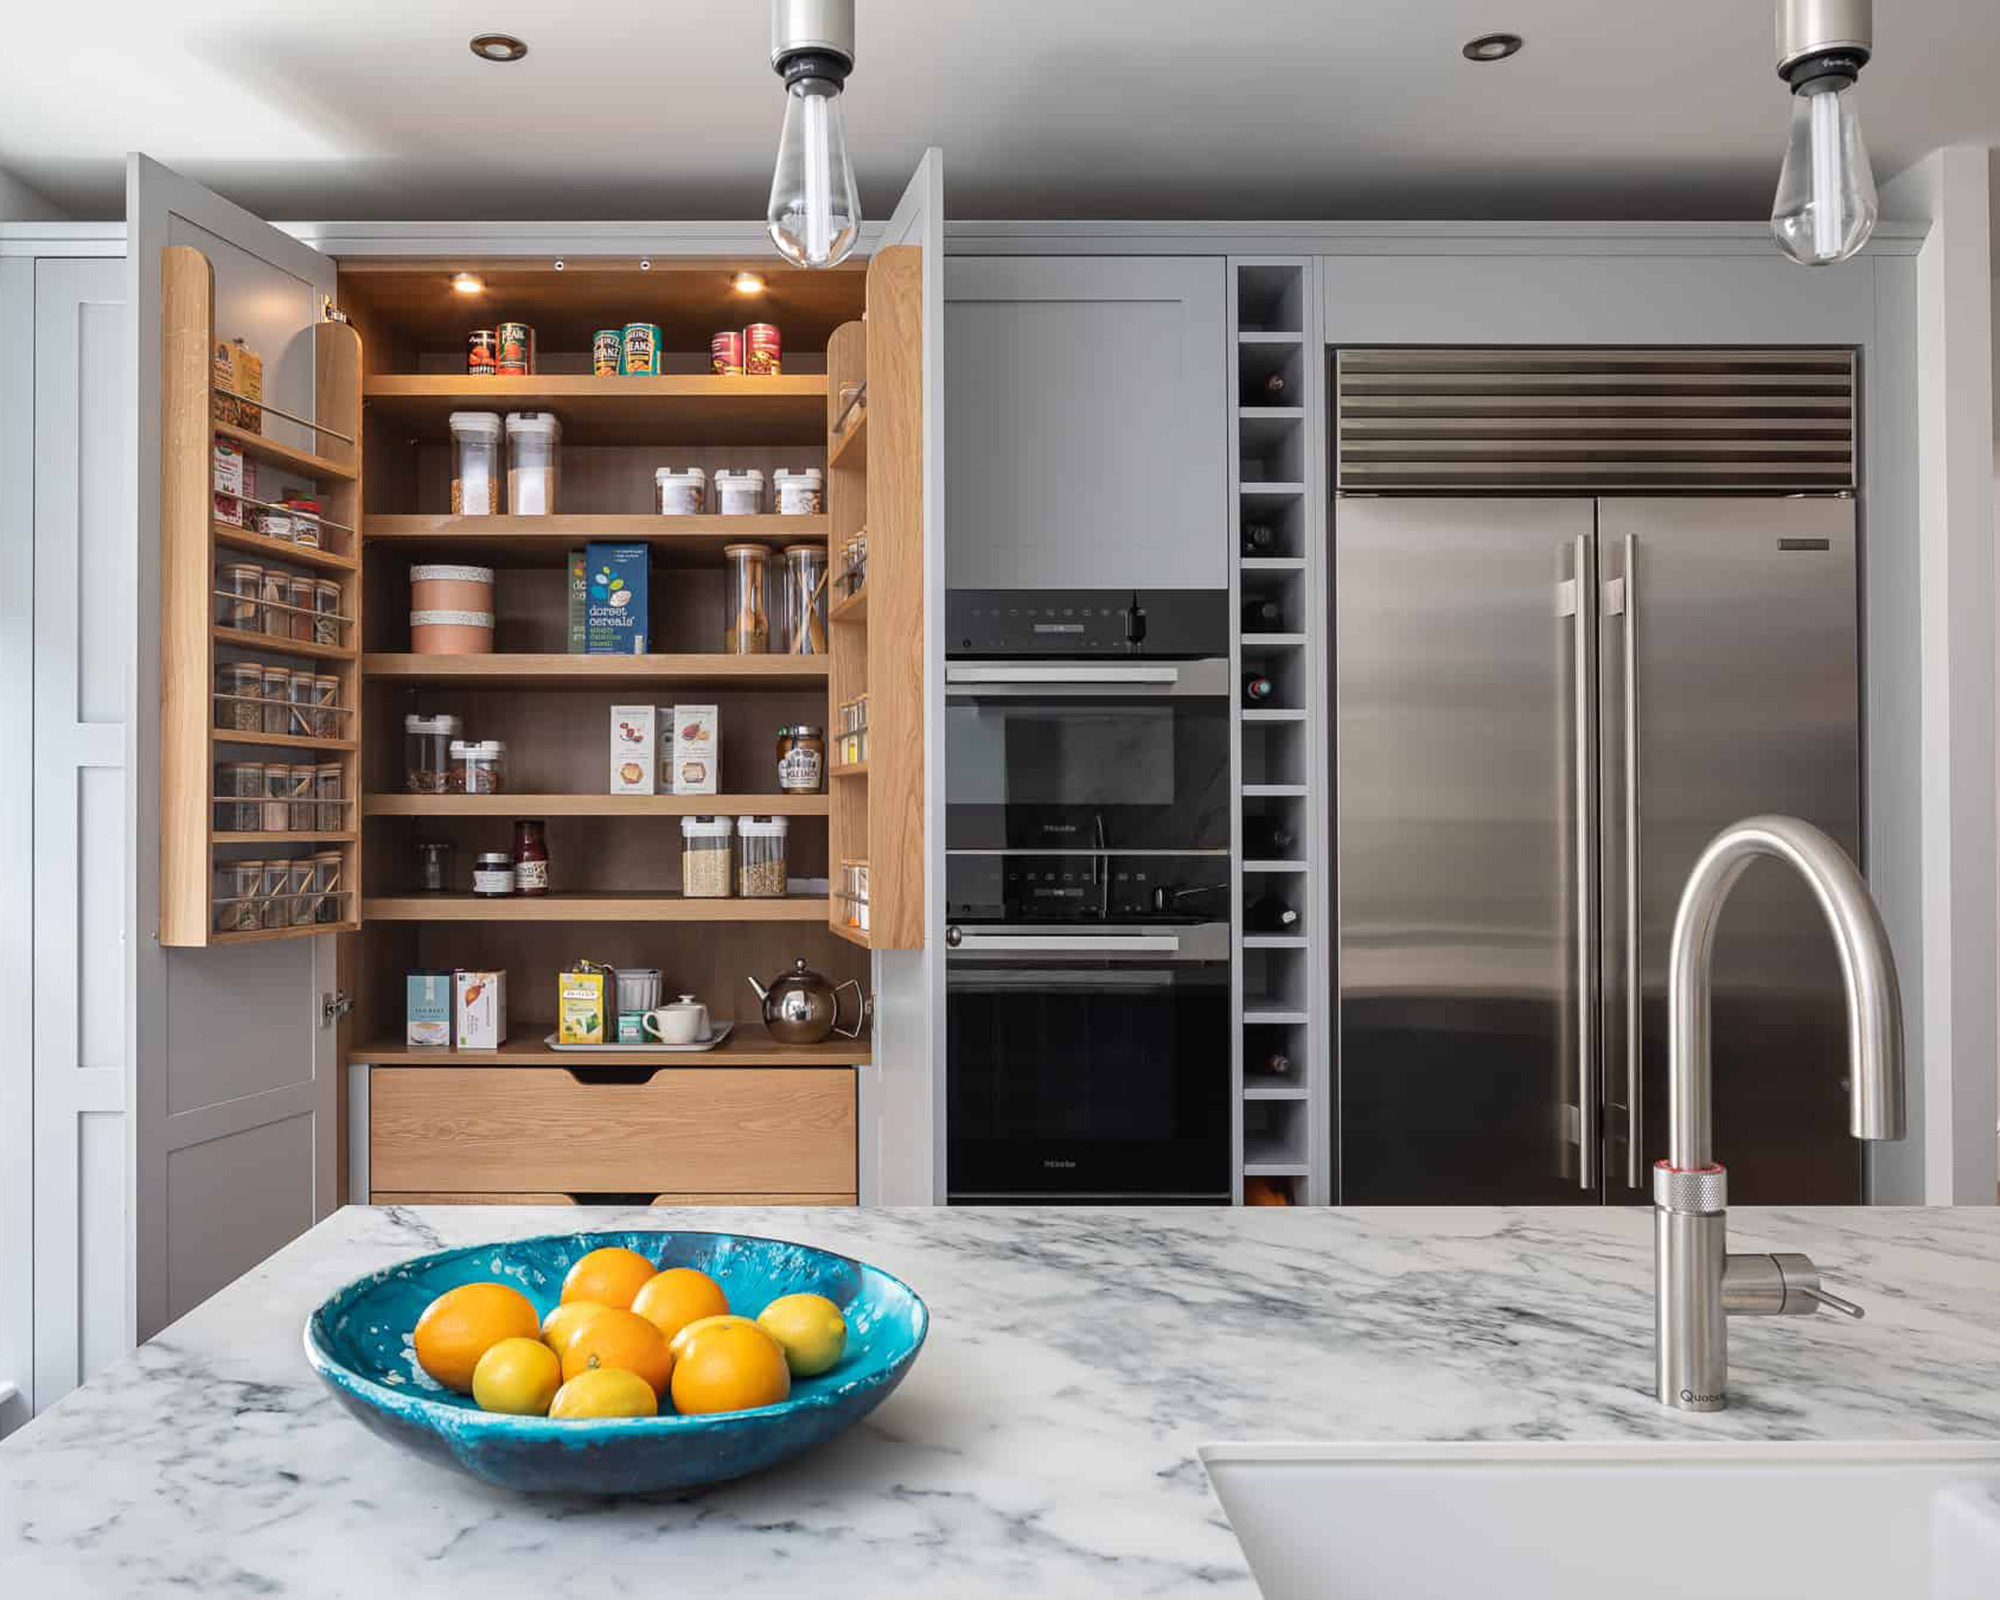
x=1690, y=1243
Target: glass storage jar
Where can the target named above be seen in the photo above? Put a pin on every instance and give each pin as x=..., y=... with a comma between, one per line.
x=478, y=766
x=747, y=628
x=239, y=697
x=326, y=698
x=534, y=462
x=302, y=690
x=271, y=605
x=272, y=904
x=475, y=464
x=299, y=603
x=326, y=621
x=277, y=699
x=327, y=899
x=236, y=886
x=299, y=891
x=304, y=809
x=277, y=812
x=801, y=759
x=305, y=522
x=492, y=874
x=433, y=865
x=760, y=857
x=239, y=604
x=239, y=792
x=330, y=808
x=802, y=588
x=705, y=857
x=427, y=745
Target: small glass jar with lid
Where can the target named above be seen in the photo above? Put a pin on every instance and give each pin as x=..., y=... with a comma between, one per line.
x=273, y=902
x=239, y=602
x=427, y=753
x=236, y=887
x=801, y=758
x=327, y=898
x=747, y=623
x=329, y=804
x=277, y=699
x=302, y=689
x=303, y=811
x=705, y=857
x=300, y=905
x=478, y=766
x=239, y=796
x=760, y=857
x=434, y=865
x=300, y=600
x=326, y=619
x=326, y=697
x=492, y=874
x=239, y=697
x=277, y=811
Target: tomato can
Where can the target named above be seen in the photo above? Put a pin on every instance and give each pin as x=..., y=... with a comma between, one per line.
x=482, y=351
x=607, y=352
x=761, y=349
x=725, y=354
x=642, y=347
x=517, y=349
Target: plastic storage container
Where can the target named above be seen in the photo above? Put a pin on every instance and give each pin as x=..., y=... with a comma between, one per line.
x=746, y=630
x=680, y=494
x=799, y=494
x=534, y=462
x=760, y=857
x=478, y=766
x=739, y=494
x=802, y=603
x=475, y=464
x=705, y=857
x=427, y=745
x=451, y=609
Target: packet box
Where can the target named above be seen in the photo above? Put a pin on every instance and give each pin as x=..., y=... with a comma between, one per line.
x=697, y=749
x=634, y=749
x=580, y=1003
x=427, y=1010
x=615, y=599
x=479, y=1009
x=579, y=603
x=237, y=367
x=232, y=478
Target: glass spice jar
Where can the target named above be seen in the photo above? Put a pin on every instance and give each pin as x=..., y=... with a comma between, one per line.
x=299, y=602
x=239, y=697
x=331, y=807
x=327, y=898
x=277, y=700
x=237, y=606
x=326, y=619
x=277, y=809
x=272, y=905
x=299, y=891
x=236, y=886
x=326, y=697
x=434, y=866
x=301, y=691
x=239, y=790
x=531, y=858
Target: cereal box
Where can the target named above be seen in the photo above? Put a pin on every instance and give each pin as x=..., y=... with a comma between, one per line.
x=615, y=599
x=479, y=1009
x=634, y=749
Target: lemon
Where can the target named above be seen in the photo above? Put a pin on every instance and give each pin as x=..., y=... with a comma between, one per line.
x=809, y=1329
x=517, y=1376
x=562, y=1323
x=680, y=1343
x=605, y=1392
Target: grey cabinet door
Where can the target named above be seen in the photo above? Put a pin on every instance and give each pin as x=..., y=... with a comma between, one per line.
x=1087, y=422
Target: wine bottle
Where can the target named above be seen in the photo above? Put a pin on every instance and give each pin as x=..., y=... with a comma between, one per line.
x=1270, y=913
x=1257, y=689
x=1261, y=614
x=1259, y=539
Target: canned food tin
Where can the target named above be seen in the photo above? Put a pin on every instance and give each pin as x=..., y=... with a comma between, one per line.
x=482, y=352
x=761, y=350
x=517, y=349
x=607, y=352
x=642, y=348
x=725, y=354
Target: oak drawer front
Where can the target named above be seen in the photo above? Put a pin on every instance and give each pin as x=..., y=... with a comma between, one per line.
x=713, y=1130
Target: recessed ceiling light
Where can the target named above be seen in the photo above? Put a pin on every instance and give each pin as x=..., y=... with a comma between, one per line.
x=468, y=283
x=1492, y=47
x=747, y=283
x=498, y=47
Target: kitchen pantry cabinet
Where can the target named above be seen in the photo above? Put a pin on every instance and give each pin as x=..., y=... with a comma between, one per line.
x=355, y=412
x=1089, y=402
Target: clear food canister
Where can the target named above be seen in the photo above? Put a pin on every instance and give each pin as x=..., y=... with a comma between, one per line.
x=331, y=807
x=236, y=886
x=427, y=753
x=275, y=909
x=760, y=857
x=326, y=698
x=475, y=464
x=534, y=457
x=800, y=494
x=277, y=699
x=299, y=890
x=739, y=494
x=747, y=629
x=277, y=811
x=680, y=494
x=803, y=588
x=237, y=604
x=327, y=899
x=705, y=857
x=239, y=795
x=239, y=697
x=326, y=612
x=303, y=692
x=478, y=766
x=300, y=599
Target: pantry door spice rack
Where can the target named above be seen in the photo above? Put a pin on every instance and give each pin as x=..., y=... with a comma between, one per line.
x=193, y=642
x=876, y=636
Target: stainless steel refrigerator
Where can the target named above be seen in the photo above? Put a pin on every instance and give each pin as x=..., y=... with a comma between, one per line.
x=1546, y=706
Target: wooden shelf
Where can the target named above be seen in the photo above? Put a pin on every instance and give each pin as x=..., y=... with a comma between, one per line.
x=285, y=836
x=635, y=906
x=262, y=544
x=853, y=609
x=284, y=741
x=296, y=931
x=600, y=672
x=857, y=769
x=665, y=410
x=850, y=447
x=852, y=935
x=750, y=1045
x=259, y=448
x=271, y=644
x=541, y=541
x=595, y=805
x=1270, y=1086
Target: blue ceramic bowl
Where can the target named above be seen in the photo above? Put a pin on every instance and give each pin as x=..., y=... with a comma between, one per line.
x=359, y=1344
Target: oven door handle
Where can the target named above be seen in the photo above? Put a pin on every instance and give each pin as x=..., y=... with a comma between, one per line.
x=971, y=674
x=1165, y=944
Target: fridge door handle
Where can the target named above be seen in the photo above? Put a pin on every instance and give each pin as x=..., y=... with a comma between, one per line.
x=1635, y=1064
x=1576, y=600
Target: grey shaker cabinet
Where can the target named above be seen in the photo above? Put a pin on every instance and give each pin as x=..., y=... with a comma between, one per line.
x=1086, y=422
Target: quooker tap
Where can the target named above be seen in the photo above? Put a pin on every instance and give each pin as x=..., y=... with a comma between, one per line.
x=1697, y=1283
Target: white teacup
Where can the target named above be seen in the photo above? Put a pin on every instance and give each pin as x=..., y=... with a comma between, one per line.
x=684, y=1022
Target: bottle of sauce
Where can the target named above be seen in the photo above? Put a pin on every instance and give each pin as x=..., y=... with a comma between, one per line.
x=531, y=859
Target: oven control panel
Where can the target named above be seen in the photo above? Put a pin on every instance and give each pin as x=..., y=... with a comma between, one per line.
x=1164, y=623
x=1085, y=887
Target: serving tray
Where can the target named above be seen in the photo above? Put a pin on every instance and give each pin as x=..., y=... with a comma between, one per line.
x=718, y=1032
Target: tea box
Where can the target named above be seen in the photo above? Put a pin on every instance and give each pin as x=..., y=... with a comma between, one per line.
x=479, y=1009
x=581, y=1003
x=427, y=1010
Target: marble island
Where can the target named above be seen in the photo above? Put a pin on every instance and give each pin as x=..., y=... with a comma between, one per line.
x=1044, y=1443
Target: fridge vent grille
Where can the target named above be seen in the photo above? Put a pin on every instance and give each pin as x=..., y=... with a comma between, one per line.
x=1599, y=419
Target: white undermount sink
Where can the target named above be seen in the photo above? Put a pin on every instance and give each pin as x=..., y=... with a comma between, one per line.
x=1567, y=1521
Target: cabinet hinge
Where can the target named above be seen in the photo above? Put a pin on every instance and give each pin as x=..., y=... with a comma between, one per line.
x=332, y=1007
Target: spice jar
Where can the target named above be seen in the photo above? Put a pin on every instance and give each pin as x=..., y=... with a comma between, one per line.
x=239, y=794
x=242, y=587
x=739, y=494
x=475, y=475
x=531, y=859
x=427, y=745
x=801, y=758
x=276, y=816
x=760, y=857
x=478, y=766
x=800, y=494
x=327, y=898
x=680, y=494
x=299, y=904
x=705, y=857
x=803, y=588
x=301, y=690
x=236, y=886
x=272, y=904
x=239, y=697
x=326, y=697
x=326, y=790
x=434, y=865
x=493, y=873
x=299, y=604
x=326, y=612
x=271, y=593
x=302, y=813
x=747, y=631
x=277, y=699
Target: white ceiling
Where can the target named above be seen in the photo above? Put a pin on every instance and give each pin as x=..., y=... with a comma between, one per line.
x=1045, y=108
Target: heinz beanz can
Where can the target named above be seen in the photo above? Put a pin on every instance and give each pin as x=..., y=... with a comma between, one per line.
x=481, y=350
x=725, y=354
x=642, y=347
x=517, y=349
x=761, y=350
x=607, y=353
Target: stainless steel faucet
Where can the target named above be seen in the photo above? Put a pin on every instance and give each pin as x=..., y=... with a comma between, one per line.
x=1697, y=1283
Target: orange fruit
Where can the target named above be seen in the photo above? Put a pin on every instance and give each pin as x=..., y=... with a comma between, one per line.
x=611, y=1277
x=462, y=1324
x=564, y=1320
x=678, y=1296
x=730, y=1368
x=517, y=1376
x=619, y=1339
x=679, y=1343
x=604, y=1392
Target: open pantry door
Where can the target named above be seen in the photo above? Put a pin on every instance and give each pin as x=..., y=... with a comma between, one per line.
x=907, y=1079
x=233, y=1091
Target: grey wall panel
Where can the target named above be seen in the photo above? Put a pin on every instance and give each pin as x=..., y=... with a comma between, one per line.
x=212, y=1237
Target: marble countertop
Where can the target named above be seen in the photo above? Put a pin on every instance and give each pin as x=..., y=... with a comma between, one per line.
x=1045, y=1441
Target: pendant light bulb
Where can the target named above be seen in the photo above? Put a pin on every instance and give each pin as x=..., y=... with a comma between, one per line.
x=814, y=216
x=1826, y=204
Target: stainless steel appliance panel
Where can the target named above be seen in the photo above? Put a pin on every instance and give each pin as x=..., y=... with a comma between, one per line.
x=1466, y=851
x=1740, y=617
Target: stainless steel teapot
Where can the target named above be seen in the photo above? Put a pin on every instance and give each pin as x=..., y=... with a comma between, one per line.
x=801, y=1007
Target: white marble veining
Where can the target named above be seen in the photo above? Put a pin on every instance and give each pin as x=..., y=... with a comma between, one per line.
x=1044, y=1444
